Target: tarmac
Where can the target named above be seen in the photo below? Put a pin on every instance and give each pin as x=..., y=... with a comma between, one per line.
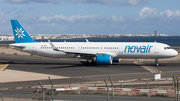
x=27, y=70
x=19, y=70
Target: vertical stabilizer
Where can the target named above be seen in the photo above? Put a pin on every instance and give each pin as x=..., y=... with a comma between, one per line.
x=20, y=34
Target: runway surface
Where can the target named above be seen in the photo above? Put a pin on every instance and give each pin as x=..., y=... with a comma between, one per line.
x=28, y=70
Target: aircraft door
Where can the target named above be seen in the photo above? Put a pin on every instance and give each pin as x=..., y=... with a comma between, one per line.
x=156, y=49
x=120, y=49
x=34, y=49
x=78, y=48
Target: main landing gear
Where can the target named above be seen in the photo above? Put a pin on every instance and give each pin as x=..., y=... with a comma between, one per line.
x=156, y=62
x=88, y=63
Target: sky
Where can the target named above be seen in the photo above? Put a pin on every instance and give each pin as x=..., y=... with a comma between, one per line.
x=92, y=16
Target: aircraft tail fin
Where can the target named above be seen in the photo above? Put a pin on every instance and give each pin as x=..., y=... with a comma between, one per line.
x=20, y=34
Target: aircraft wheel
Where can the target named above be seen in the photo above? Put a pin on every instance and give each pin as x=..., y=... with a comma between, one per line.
x=87, y=63
x=156, y=64
x=93, y=63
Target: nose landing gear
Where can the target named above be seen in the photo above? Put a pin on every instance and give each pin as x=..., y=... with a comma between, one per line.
x=156, y=62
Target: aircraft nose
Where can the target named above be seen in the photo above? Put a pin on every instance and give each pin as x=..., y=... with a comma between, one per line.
x=175, y=53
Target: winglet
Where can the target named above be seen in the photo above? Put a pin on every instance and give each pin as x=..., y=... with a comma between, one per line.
x=54, y=48
x=87, y=40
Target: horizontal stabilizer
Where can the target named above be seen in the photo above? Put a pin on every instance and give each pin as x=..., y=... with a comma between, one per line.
x=17, y=46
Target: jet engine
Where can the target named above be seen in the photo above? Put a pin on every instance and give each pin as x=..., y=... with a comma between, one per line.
x=104, y=59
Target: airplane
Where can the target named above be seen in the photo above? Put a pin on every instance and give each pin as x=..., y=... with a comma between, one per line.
x=96, y=53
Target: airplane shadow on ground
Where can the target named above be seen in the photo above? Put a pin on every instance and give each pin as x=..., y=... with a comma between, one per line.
x=79, y=64
x=33, y=63
x=61, y=65
x=94, y=66
x=72, y=65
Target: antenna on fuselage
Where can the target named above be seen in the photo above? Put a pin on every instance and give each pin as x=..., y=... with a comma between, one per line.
x=155, y=41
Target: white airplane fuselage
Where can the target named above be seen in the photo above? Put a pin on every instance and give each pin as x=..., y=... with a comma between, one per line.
x=142, y=50
x=99, y=53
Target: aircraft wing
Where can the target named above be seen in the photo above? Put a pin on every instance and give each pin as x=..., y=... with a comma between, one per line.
x=81, y=53
x=54, y=48
x=76, y=52
x=71, y=52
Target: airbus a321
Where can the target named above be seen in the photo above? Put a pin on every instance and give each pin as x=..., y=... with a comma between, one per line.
x=99, y=53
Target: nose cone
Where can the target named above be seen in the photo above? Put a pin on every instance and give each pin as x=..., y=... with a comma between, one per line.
x=174, y=53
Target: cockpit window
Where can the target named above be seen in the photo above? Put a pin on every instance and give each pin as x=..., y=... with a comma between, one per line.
x=167, y=48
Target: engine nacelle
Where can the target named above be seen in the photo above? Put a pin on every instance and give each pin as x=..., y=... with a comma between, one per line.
x=116, y=60
x=104, y=59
